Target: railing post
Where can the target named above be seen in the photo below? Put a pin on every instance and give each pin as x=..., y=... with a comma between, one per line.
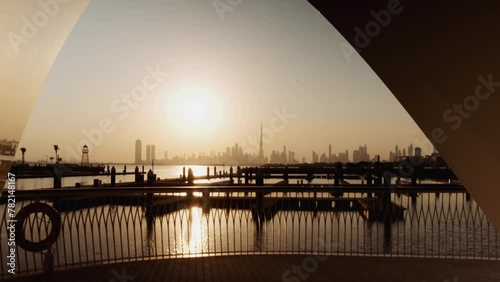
x=48, y=261
x=149, y=206
x=388, y=212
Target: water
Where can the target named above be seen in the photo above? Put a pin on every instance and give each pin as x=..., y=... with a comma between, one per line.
x=445, y=225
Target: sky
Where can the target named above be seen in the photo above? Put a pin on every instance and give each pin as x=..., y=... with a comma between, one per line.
x=182, y=76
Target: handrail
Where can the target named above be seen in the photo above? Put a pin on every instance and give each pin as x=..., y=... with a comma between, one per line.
x=352, y=188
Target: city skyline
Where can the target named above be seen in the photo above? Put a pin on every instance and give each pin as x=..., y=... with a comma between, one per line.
x=236, y=155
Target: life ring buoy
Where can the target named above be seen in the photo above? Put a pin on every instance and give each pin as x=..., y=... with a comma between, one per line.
x=44, y=244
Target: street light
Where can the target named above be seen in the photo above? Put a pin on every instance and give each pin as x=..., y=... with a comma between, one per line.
x=56, y=148
x=23, y=150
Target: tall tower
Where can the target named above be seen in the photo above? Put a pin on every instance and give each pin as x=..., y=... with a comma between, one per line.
x=153, y=153
x=261, y=145
x=138, y=151
x=148, y=154
x=330, y=153
x=85, y=156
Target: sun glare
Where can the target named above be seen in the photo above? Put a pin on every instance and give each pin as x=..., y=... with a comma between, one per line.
x=195, y=110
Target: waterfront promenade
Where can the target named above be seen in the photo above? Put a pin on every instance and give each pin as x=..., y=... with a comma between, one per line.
x=250, y=268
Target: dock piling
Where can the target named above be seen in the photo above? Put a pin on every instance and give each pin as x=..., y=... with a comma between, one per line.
x=113, y=176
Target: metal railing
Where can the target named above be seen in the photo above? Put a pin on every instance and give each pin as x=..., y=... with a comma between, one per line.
x=107, y=225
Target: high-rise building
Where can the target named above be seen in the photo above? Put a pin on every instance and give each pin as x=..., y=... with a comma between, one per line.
x=138, y=151
x=410, y=150
x=153, y=152
x=330, y=153
x=360, y=155
x=148, y=154
x=314, y=157
x=261, y=145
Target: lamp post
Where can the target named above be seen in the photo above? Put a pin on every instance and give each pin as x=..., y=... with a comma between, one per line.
x=56, y=148
x=23, y=150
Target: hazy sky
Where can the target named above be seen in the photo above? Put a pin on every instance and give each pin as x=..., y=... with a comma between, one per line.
x=213, y=82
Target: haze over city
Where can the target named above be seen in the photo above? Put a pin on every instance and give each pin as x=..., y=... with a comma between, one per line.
x=175, y=75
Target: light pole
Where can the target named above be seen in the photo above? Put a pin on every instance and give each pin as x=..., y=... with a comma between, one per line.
x=23, y=150
x=56, y=148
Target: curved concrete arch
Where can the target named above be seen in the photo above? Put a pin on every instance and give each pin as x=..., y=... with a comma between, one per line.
x=32, y=34
x=441, y=61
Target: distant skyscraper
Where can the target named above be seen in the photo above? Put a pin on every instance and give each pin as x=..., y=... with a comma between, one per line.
x=360, y=155
x=261, y=145
x=138, y=151
x=330, y=153
x=410, y=150
x=166, y=155
x=153, y=152
x=148, y=154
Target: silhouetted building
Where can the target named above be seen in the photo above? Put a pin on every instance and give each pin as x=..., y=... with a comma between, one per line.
x=314, y=157
x=261, y=158
x=344, y=157
x=360, y=155
x=153, y=152
x=330, y=153
x=148, y=154
x=138, y=151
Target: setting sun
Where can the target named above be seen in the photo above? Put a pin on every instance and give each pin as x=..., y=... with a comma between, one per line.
x=195, y=110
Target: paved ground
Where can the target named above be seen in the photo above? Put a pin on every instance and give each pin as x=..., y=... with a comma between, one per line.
x=284, y=268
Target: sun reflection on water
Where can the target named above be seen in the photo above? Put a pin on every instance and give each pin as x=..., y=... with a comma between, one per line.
x=196, y=238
